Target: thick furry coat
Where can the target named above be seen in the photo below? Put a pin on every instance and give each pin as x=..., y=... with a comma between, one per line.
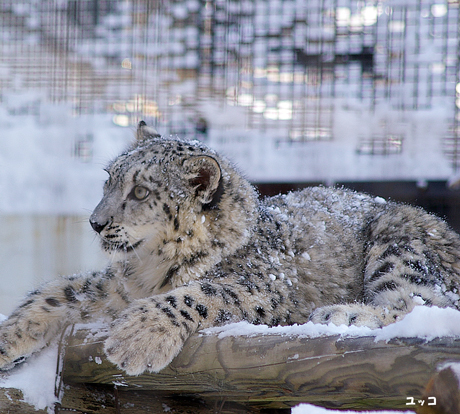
x=192, y=246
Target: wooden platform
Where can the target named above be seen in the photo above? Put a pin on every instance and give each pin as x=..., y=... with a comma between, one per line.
x=261, y=374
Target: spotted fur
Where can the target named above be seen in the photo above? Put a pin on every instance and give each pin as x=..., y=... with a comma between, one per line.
x=192, y=246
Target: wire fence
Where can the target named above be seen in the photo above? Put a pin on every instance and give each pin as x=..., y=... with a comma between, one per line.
x=287, y=64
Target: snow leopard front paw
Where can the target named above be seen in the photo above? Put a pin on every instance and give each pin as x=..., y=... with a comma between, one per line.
x=19, y=338
x=146, y=337
x=9, y=358
x=350, y=314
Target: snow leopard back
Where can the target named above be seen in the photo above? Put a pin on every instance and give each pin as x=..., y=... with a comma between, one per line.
x=347, y=257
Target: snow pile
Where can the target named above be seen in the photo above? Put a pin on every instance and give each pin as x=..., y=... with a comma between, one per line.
x=311, y=409
x=422, y=322
x=308, y=329
x=35, y=378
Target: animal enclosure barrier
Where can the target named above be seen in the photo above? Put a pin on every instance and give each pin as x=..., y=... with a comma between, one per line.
x=288, y=65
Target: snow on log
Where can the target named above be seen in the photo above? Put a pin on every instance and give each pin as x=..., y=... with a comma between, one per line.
x=279, y=371
x=12, y=402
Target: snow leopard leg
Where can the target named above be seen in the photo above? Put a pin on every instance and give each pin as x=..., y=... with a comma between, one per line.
x=152, y=331
x=45, y=312
x=411, y=258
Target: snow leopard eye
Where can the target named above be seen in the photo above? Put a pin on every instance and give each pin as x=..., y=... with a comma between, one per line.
x=139, y=193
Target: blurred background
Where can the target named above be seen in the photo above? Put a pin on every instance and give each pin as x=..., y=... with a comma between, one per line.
x=296, y=92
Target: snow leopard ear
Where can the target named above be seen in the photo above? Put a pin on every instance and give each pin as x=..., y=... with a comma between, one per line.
x=144, y=132
x=205, y=179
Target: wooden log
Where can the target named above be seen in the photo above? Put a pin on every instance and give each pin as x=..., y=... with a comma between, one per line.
x=101, y=399
x=274, y=371
x=11, y=402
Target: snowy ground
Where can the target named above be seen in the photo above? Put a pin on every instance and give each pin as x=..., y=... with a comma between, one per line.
x=36, y=377
x=53, y=163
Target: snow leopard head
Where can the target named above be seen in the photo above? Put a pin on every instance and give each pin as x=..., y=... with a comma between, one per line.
x=173, y=206
x=157, y=191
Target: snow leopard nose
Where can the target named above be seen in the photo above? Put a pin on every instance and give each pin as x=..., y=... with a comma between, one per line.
x=97, y=226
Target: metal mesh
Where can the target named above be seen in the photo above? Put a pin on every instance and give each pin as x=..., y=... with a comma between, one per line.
x=286, y=63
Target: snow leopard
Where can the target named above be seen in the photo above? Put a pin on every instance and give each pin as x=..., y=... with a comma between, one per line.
x=192, y=245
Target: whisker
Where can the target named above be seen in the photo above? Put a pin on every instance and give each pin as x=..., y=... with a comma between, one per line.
x=111, y=260
x=81, y=220
x=95, y=237
x=133, y=249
